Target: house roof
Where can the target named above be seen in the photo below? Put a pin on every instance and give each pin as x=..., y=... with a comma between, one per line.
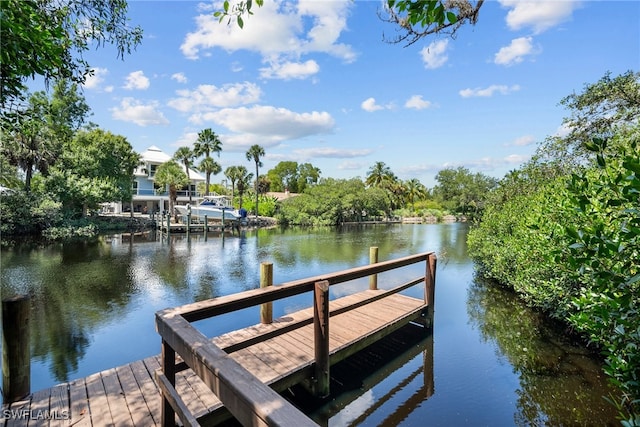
x=155, y=155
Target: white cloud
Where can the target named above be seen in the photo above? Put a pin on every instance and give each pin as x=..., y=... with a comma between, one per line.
x=95, y=81
x=538, y=15
x=515, y=52
x=132, y=110
x=435, y=55
x=417, y=102
x=489, y=91
x=179, y=77
x=136, y=80
x=270, y=122
x=206, y=97
x=280, y=29
x=523, y=141
x=370, y=105
x=290, y=70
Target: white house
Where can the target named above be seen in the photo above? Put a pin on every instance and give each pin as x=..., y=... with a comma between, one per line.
x=147, y=196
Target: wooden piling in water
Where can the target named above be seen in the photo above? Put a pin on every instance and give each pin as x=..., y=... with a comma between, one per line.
x=16, y=354
x=321, y=338
x=266, y=280
x=373, y=259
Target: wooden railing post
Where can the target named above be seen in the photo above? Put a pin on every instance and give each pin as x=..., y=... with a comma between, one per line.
x=321, y=338
x=373, y=259
x=16, y=354
x=430, y=288
x=169, y=371
x=266, y=280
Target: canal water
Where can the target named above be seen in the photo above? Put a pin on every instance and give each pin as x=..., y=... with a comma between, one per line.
x=490, y=360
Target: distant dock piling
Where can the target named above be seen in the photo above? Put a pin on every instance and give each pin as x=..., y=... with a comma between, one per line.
x=16, y=353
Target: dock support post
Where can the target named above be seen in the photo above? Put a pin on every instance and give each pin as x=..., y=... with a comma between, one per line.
x=16, y=354
x=188, y=223
x=266, y=280
x=373, y=259
x=430, y=288
x=169, y=371
x=321, y=338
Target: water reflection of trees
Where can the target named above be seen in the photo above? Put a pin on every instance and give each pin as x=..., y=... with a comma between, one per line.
x=560, y=383
x=74, y=287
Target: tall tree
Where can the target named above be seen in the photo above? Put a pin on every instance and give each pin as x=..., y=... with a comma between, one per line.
x=379, y=174
x=415, y=190
x=599, y=111
x=34, y=135
x=207, y=142
x=307, y=175
x=186, y=156
x=209, y=166
x=95, y=167
x=243, y=181
x=284, y=177
x=171, y=175
x=232, y=173
x=255, y=153
x=55, y=35
x=462, y=191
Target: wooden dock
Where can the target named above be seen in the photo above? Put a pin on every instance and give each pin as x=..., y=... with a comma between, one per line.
x=202, y=381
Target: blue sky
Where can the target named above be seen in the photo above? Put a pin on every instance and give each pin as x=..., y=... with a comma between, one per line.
x=313, y=81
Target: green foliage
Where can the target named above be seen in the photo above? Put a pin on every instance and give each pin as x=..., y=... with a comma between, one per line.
x=55, y=35
x=569, y=245
x=604, y=255
x=267, y=205
x=291, y=176
x=23, y=213
x=171, y=175
x=95, y=167
x=332, y=202
x=463, y=192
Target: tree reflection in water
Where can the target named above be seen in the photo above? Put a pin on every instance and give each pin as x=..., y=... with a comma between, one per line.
x=553, y=372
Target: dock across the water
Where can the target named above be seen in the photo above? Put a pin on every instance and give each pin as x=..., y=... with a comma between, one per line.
x=202, y=381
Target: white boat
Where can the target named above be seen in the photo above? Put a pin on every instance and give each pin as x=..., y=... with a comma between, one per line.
x=213, y=207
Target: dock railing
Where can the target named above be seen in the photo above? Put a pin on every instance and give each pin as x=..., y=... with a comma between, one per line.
x=250, y=401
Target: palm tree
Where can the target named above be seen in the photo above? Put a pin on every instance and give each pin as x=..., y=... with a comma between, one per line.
x=379, y=174
x=209, y=166
x=244, y=181
x=171, y=174
x=232, y=175
x=207, y=142
x=29, y=144
x=185, y=156
x=415, y=190
x=254, y=153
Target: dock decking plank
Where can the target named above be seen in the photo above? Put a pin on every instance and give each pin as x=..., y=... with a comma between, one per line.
x=118, y=407
x=98, y=404
x=39, y=407
x=138, y=409
x=59, y=405
x=148, y=388
x=79, y=404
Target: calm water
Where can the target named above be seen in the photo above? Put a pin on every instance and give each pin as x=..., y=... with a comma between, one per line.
x=489, y=362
